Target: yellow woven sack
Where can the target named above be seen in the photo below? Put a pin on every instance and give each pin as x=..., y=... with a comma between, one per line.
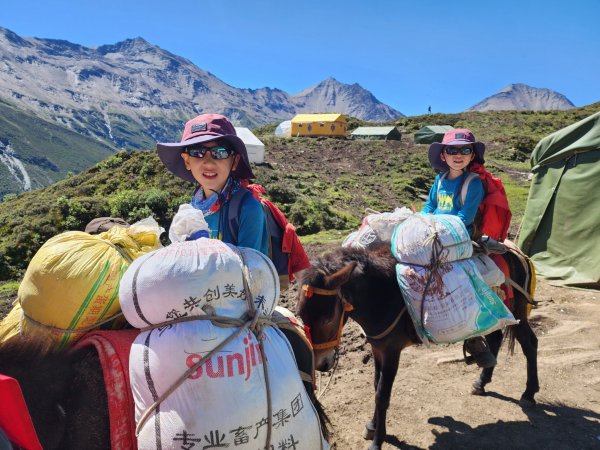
x=72, y=283
x=9, y=326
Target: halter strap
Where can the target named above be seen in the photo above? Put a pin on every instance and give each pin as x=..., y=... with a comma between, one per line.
x=389, y=329
x=309, y=291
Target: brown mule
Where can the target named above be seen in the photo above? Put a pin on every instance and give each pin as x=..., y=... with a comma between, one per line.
x=361, y=285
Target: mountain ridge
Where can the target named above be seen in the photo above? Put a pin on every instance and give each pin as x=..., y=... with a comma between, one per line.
x=140, y=79
x=520, y=97
x=130, y=95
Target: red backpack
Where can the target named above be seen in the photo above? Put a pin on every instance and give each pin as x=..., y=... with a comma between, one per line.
x=285, y=249
x=493, y=217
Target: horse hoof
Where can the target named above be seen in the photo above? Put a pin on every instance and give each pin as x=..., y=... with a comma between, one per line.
x=476, y=390
x=374, y=447
x=369, y=432
x=527, y=402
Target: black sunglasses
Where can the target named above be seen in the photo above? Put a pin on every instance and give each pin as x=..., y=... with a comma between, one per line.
x=199, y=151
x=458, y=151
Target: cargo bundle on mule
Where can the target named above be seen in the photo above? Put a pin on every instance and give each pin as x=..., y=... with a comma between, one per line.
x=447, y=288
x=72, y=283
x=210, y=366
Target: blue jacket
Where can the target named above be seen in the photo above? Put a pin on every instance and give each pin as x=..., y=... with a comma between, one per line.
x=447, y=199
x=252, y=232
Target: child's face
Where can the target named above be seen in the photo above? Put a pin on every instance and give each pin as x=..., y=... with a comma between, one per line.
x=211, y=173
x=458, y=162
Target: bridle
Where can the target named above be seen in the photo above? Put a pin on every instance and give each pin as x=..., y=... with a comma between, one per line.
x=309, y=291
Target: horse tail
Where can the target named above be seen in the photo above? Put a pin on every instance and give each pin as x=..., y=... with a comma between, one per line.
x=509, y=339
x=521, y=274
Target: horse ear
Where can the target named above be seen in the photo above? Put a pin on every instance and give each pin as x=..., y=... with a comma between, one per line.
x=339, y=278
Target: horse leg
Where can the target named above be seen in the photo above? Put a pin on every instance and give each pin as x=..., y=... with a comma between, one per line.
x=372, y=424
x=529, y=344
x=494, y=340
x=389, y=368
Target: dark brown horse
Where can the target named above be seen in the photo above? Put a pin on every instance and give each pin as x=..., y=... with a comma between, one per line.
x=361, y=285
x=66, y=395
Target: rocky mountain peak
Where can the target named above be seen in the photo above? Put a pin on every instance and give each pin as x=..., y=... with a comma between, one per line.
x=12, y=38
x=330, y=95
x=519, y=96
x=128, y=46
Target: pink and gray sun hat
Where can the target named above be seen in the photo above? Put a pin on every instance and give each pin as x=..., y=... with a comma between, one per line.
x=200, y=129
x=458, y=136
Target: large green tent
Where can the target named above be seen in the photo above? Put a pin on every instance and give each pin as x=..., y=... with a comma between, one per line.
x=561, y=226
x=431, y=133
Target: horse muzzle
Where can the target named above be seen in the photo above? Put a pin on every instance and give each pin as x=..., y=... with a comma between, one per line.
x=325, y=359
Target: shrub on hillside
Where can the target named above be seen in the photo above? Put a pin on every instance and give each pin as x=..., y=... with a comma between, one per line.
x=133, y=205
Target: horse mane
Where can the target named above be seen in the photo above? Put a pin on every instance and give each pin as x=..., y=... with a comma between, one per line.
x=57, y=386
x=377, y=262
x=26, y=352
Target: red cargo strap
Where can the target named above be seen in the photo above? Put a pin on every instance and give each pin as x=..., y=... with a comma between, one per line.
x=15, y=420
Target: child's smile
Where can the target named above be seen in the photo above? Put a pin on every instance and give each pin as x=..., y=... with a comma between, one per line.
x=457, y=162
x=210, y=173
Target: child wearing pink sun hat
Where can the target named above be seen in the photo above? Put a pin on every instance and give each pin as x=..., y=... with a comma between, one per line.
x=212, y=155
x=452, y=157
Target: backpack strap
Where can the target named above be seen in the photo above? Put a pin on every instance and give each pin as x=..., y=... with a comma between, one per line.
x=464, y=186
x=233, y=213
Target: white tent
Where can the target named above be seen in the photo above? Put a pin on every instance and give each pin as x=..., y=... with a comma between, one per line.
x=256, y=149
x=284, y=129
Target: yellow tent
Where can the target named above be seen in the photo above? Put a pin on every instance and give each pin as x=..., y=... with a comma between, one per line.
x=333, y=125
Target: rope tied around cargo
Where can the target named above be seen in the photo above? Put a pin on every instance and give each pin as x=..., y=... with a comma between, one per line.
x=434, y=264
x=436, y=261
x=84, y=330
x=258, y=329
x=251, y=320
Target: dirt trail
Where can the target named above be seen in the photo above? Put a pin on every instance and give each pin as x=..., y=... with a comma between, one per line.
x=431, y=406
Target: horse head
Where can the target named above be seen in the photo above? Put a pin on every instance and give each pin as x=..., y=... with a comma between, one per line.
x=324, y=311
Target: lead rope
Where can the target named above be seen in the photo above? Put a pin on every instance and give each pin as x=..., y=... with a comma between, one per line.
x=322, y=391
x=258, y=329
x=434, y=264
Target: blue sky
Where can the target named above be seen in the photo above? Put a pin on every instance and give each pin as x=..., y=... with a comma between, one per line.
x=409, y=54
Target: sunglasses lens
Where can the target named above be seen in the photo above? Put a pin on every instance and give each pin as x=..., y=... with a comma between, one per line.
x=220, y=153
x=215, y=152
x=196, y=152
x=456, y=151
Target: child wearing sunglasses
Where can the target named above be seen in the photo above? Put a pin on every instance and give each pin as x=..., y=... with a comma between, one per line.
x=212, y=155
x=452, y=157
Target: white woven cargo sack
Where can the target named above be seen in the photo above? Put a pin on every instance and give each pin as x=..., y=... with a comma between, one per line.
x=456, y=303
x=490, y=272
x=376, y=228
x=183, y=278
x=223, y=404
x=423, y=238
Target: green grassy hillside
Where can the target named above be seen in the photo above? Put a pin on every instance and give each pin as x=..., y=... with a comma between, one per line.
x=47, y=151
x=321, y=184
